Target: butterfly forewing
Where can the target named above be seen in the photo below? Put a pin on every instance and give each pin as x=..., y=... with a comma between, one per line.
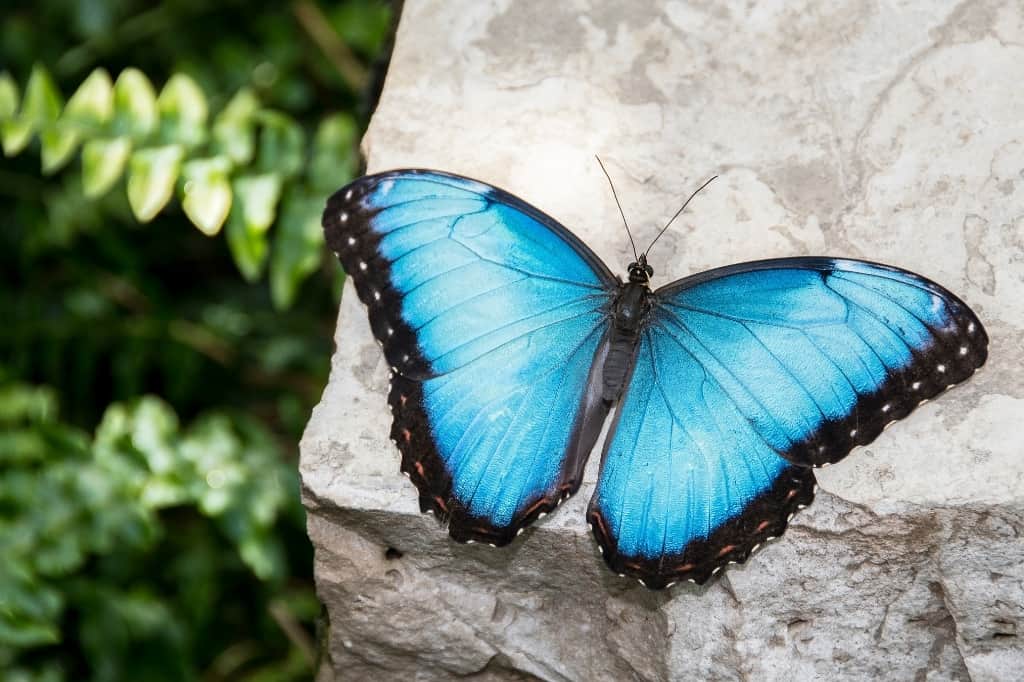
x=491, y=315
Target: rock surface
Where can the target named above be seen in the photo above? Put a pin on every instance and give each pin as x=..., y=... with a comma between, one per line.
x=887, y=131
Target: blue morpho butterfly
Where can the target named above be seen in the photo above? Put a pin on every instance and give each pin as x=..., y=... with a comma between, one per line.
x=510, y=342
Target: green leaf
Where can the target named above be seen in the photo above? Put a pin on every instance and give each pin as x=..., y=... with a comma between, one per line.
x=22, y=634
x=281, y=144
x=297, y=248
x=103, y=163
x=206, y=195
x=92, y=106
x=151, y=177
x=8, y=97
x=248, y=247
x=87, y=112
x=23, y=402
x=363, y=26
x=334, y=153
x=135, y=111
x=253, y=212
x=15, y=135
x=263, y=554
x=258, y=196
x=40, y=108
x=234, y=130
x=58, y=146
x=183, y=111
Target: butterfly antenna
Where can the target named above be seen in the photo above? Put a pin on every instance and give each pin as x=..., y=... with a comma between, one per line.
x=681, y=209
x=630, y=234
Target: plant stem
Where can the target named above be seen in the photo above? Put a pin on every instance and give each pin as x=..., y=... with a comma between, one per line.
x=315, y=24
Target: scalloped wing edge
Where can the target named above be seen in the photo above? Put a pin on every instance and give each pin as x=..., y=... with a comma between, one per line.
x=763, y=519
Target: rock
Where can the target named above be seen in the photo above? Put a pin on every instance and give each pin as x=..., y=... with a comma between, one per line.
x=890, y=132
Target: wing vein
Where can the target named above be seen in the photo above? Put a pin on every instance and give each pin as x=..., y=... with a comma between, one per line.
x=892, y=300
x=728, y=371
x=444, y=217
x=518, y=336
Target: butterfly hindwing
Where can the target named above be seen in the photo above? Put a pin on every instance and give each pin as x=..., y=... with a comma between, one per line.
x=491, y=316
x=746, y=377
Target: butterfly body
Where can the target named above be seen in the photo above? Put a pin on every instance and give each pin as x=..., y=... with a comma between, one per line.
x=628, y=314
x=511, y=343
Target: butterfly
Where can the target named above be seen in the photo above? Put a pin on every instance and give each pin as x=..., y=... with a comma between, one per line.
x=510, y=342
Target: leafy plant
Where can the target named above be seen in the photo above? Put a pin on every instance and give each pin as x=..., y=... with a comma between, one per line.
x=238, y=168
x=89, y=532
x=143, y=541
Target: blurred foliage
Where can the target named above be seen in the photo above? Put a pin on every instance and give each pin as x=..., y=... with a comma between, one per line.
x=142, y=541
x=233, y=168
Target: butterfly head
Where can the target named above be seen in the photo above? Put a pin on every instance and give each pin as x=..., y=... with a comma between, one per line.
x=639, y=271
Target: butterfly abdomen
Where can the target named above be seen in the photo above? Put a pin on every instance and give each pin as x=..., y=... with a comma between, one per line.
x=628, y=313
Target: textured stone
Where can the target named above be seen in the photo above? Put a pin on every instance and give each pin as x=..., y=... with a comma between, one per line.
x=893, y=132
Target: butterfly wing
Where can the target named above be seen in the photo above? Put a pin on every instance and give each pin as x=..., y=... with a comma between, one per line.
x=491, y=315
x=748, y=376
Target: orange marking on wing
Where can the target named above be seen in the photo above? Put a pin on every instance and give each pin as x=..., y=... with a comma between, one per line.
x=407, y=435
x=791, y=493
x=725, y=550
x=686, y=567
x=402, y=400
x=440, y=504
x=533, y=507
x=761, y=526
x=419, y=469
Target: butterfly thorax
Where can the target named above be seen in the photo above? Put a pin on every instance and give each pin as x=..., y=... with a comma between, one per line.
x=630, y=307
x=629, y=310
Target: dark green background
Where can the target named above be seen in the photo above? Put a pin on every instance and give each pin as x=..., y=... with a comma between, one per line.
x=151, y=397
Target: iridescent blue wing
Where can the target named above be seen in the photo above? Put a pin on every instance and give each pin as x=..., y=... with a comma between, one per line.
x=490, y=314
x=748, y=376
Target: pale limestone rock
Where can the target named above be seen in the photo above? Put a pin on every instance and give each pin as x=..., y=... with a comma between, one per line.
x=893, y=132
